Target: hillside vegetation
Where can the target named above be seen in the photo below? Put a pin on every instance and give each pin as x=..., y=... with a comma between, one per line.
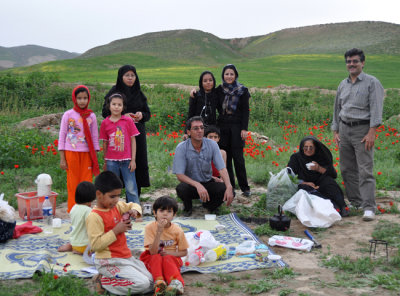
x=308, y=57
x=26, y=55
x=201, y=47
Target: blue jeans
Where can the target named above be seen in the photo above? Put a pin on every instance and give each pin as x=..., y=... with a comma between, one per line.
x=121, y=168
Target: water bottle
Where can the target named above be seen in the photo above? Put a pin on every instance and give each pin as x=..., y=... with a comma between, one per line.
x=47, y=216
x=196, y=257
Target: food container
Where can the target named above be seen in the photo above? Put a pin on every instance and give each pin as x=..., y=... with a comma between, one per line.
x=210, y=217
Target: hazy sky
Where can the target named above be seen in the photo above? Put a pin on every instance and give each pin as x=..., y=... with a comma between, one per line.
x=79, y=25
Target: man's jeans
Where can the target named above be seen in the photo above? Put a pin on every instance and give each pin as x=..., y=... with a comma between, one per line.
x=120, y=168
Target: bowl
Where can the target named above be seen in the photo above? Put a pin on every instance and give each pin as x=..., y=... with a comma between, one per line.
x=220, y=227
x=210, y=217
x=274, y=258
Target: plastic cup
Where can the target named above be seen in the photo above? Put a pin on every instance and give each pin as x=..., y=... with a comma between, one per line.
x=274, y=258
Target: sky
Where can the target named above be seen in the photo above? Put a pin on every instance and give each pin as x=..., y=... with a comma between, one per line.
x=79, y=25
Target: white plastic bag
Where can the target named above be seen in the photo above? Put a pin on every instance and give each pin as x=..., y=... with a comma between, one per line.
x=201, y=240
x=291, y=242
x=280, y=188
x=312, y=210
x=246, y=247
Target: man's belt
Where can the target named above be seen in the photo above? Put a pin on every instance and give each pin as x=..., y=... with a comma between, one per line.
x=355, y=123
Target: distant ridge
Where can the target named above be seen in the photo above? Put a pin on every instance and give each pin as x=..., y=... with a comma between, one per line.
x=372, y=37
x=195, y=45
x=27, y=55
x=181, y=45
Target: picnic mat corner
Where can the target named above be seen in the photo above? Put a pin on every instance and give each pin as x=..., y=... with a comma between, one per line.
x=20, y=258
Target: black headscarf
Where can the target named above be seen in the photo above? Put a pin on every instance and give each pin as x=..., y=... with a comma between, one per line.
x=321, y=155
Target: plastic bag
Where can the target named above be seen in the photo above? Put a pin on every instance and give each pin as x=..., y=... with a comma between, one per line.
x=312, y=210
x=291, y=242
x=280, y=188
x=201, y=240
x=246, y=247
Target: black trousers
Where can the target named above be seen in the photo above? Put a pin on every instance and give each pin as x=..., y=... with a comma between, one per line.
x=236, y=154
x=216, y=191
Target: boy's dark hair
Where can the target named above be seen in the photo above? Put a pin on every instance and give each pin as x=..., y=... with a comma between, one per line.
x=85, y=192
x=191, y=119
x=354, y=52
x=117, y=95
x=107, y=181
x=212, y=129
x=165, y=202
x=79, y=90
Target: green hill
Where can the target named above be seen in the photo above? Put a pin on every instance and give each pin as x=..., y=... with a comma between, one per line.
x=177, y=45
x=200, y=47
x=308, y=56
x=26, y=55
x=372, y=37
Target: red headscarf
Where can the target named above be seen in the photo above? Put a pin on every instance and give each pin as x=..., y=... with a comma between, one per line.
x=85, y=113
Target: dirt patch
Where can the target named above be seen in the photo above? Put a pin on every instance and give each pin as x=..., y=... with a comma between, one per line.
x=49, y=123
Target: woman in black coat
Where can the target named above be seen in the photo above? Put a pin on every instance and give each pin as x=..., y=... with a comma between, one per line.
x=233, y=120
x=204, y=102
x=128, y=83
x=313, y=165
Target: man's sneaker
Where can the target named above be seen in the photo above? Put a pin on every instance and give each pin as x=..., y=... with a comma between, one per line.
x=159, y=287
x=176, y=287
x=147, y=209
x=247, y=193
x=368, y=215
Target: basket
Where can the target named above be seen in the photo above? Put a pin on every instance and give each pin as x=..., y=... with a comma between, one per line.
x=30, y=205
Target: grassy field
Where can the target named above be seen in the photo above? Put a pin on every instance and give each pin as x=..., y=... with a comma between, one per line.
x=284, y=117
x=323, y=71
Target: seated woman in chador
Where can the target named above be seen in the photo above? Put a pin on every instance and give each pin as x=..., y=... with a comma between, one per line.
x=313, y=165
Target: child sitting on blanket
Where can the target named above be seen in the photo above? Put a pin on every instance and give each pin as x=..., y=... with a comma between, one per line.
x=85, y=194
x=119, y=272
x=165, y=244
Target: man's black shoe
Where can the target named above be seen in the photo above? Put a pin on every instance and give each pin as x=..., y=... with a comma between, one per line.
x=187, y=213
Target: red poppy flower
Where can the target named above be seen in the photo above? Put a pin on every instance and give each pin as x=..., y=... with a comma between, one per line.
x=391, y=203
x=16, y=166
x=379, y=173
x=55, y=276
x=2, y=172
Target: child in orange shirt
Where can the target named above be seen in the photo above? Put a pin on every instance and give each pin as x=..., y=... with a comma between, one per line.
x=165, y=244
x=119, y=272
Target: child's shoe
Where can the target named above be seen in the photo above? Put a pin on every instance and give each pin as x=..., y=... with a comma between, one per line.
x=176, y=287
x=159, y=287
x=97, y=283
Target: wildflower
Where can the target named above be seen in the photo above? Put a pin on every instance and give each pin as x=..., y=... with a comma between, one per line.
x=55, y=276
x=391, y=203
x=379, y=173
x=27, y=146
x=16, y=166
x=2, y=172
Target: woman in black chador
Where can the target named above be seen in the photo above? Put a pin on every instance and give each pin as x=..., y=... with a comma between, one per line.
x=128, y=83
x=313, y=165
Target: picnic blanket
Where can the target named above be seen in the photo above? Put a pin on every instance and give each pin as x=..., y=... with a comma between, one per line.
x=20, y=258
